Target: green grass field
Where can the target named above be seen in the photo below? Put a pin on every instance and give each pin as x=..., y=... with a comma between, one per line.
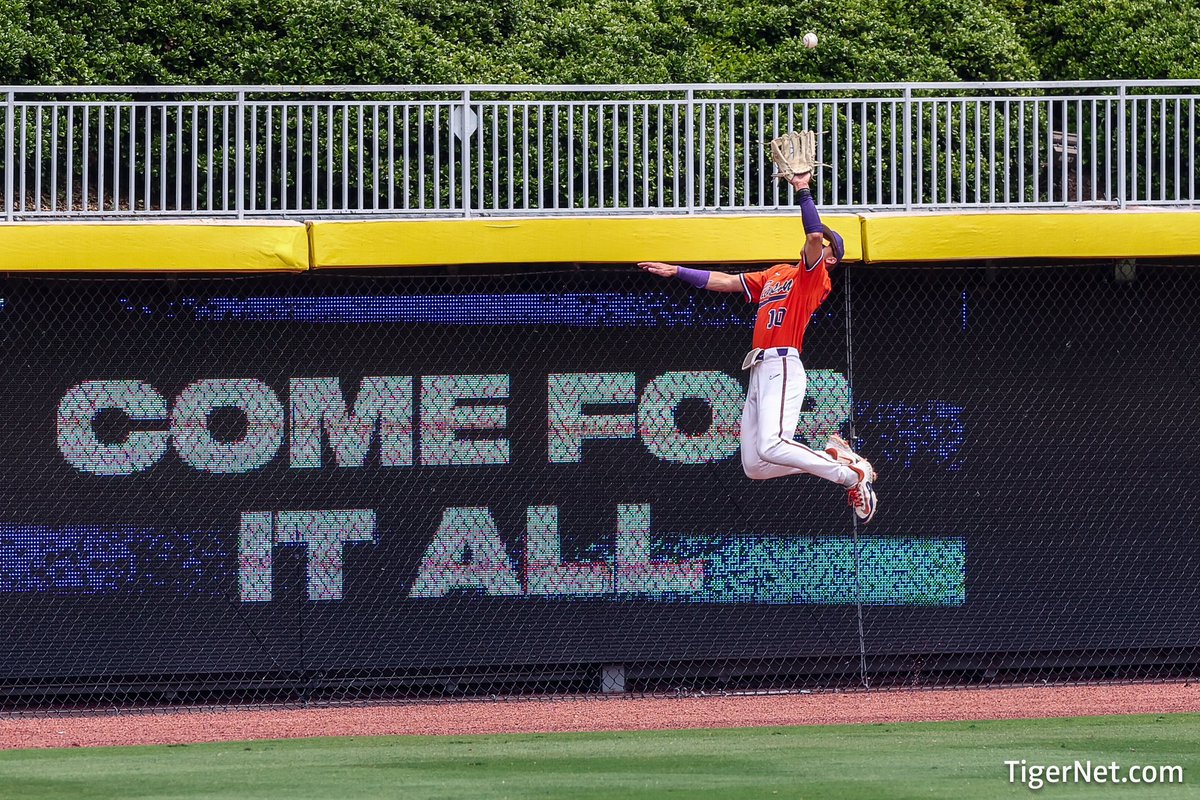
x=960, y=760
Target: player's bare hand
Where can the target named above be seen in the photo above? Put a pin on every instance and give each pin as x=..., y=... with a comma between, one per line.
x=659, y=268
x=801, y=181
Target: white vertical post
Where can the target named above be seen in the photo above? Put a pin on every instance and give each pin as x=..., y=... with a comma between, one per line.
x=1121, y=144
x=466, y=151
x=240, y=156
x=8, y=158
x=908, y=137
x=690, y=127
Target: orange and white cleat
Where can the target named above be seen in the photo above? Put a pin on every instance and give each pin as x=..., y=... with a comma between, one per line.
x=861, y=495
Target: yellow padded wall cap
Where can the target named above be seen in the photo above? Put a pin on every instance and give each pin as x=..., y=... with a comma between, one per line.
x=610, y=239
x=935, y=236
x=154, y=246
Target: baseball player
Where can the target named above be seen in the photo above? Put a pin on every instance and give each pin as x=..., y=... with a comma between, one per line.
x=787, y=295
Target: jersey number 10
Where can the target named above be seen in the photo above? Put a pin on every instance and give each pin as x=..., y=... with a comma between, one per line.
x=775, y=318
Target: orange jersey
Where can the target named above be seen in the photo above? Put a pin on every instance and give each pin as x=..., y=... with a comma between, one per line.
x=787, y=295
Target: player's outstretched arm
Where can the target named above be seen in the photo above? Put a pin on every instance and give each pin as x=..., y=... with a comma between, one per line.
x=813, y=230
x=700, y=278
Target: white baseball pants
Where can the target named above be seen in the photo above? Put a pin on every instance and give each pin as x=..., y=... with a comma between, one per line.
x=769, y=417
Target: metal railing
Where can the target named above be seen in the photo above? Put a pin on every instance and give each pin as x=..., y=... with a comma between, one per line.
x=458, y=151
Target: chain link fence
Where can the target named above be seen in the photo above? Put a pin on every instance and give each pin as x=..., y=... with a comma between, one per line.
x=353, y=487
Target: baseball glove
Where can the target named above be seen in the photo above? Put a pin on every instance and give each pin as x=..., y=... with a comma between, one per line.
x=794, y=154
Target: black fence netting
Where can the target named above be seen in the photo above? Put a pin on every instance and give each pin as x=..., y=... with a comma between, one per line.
x=323, y=488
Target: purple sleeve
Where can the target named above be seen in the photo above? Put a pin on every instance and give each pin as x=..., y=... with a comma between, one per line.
x=693, y=277
x=808, y=212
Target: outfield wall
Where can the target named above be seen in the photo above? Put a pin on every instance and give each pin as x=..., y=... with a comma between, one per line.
x=372, y=483
x=257, y=247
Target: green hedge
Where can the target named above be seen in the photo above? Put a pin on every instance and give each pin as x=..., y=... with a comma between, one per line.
x=591, y=41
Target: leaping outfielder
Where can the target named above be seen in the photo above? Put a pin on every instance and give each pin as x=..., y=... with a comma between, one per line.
x=787, y=295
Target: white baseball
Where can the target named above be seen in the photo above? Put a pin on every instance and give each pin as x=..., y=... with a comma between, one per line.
x=810, y=40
